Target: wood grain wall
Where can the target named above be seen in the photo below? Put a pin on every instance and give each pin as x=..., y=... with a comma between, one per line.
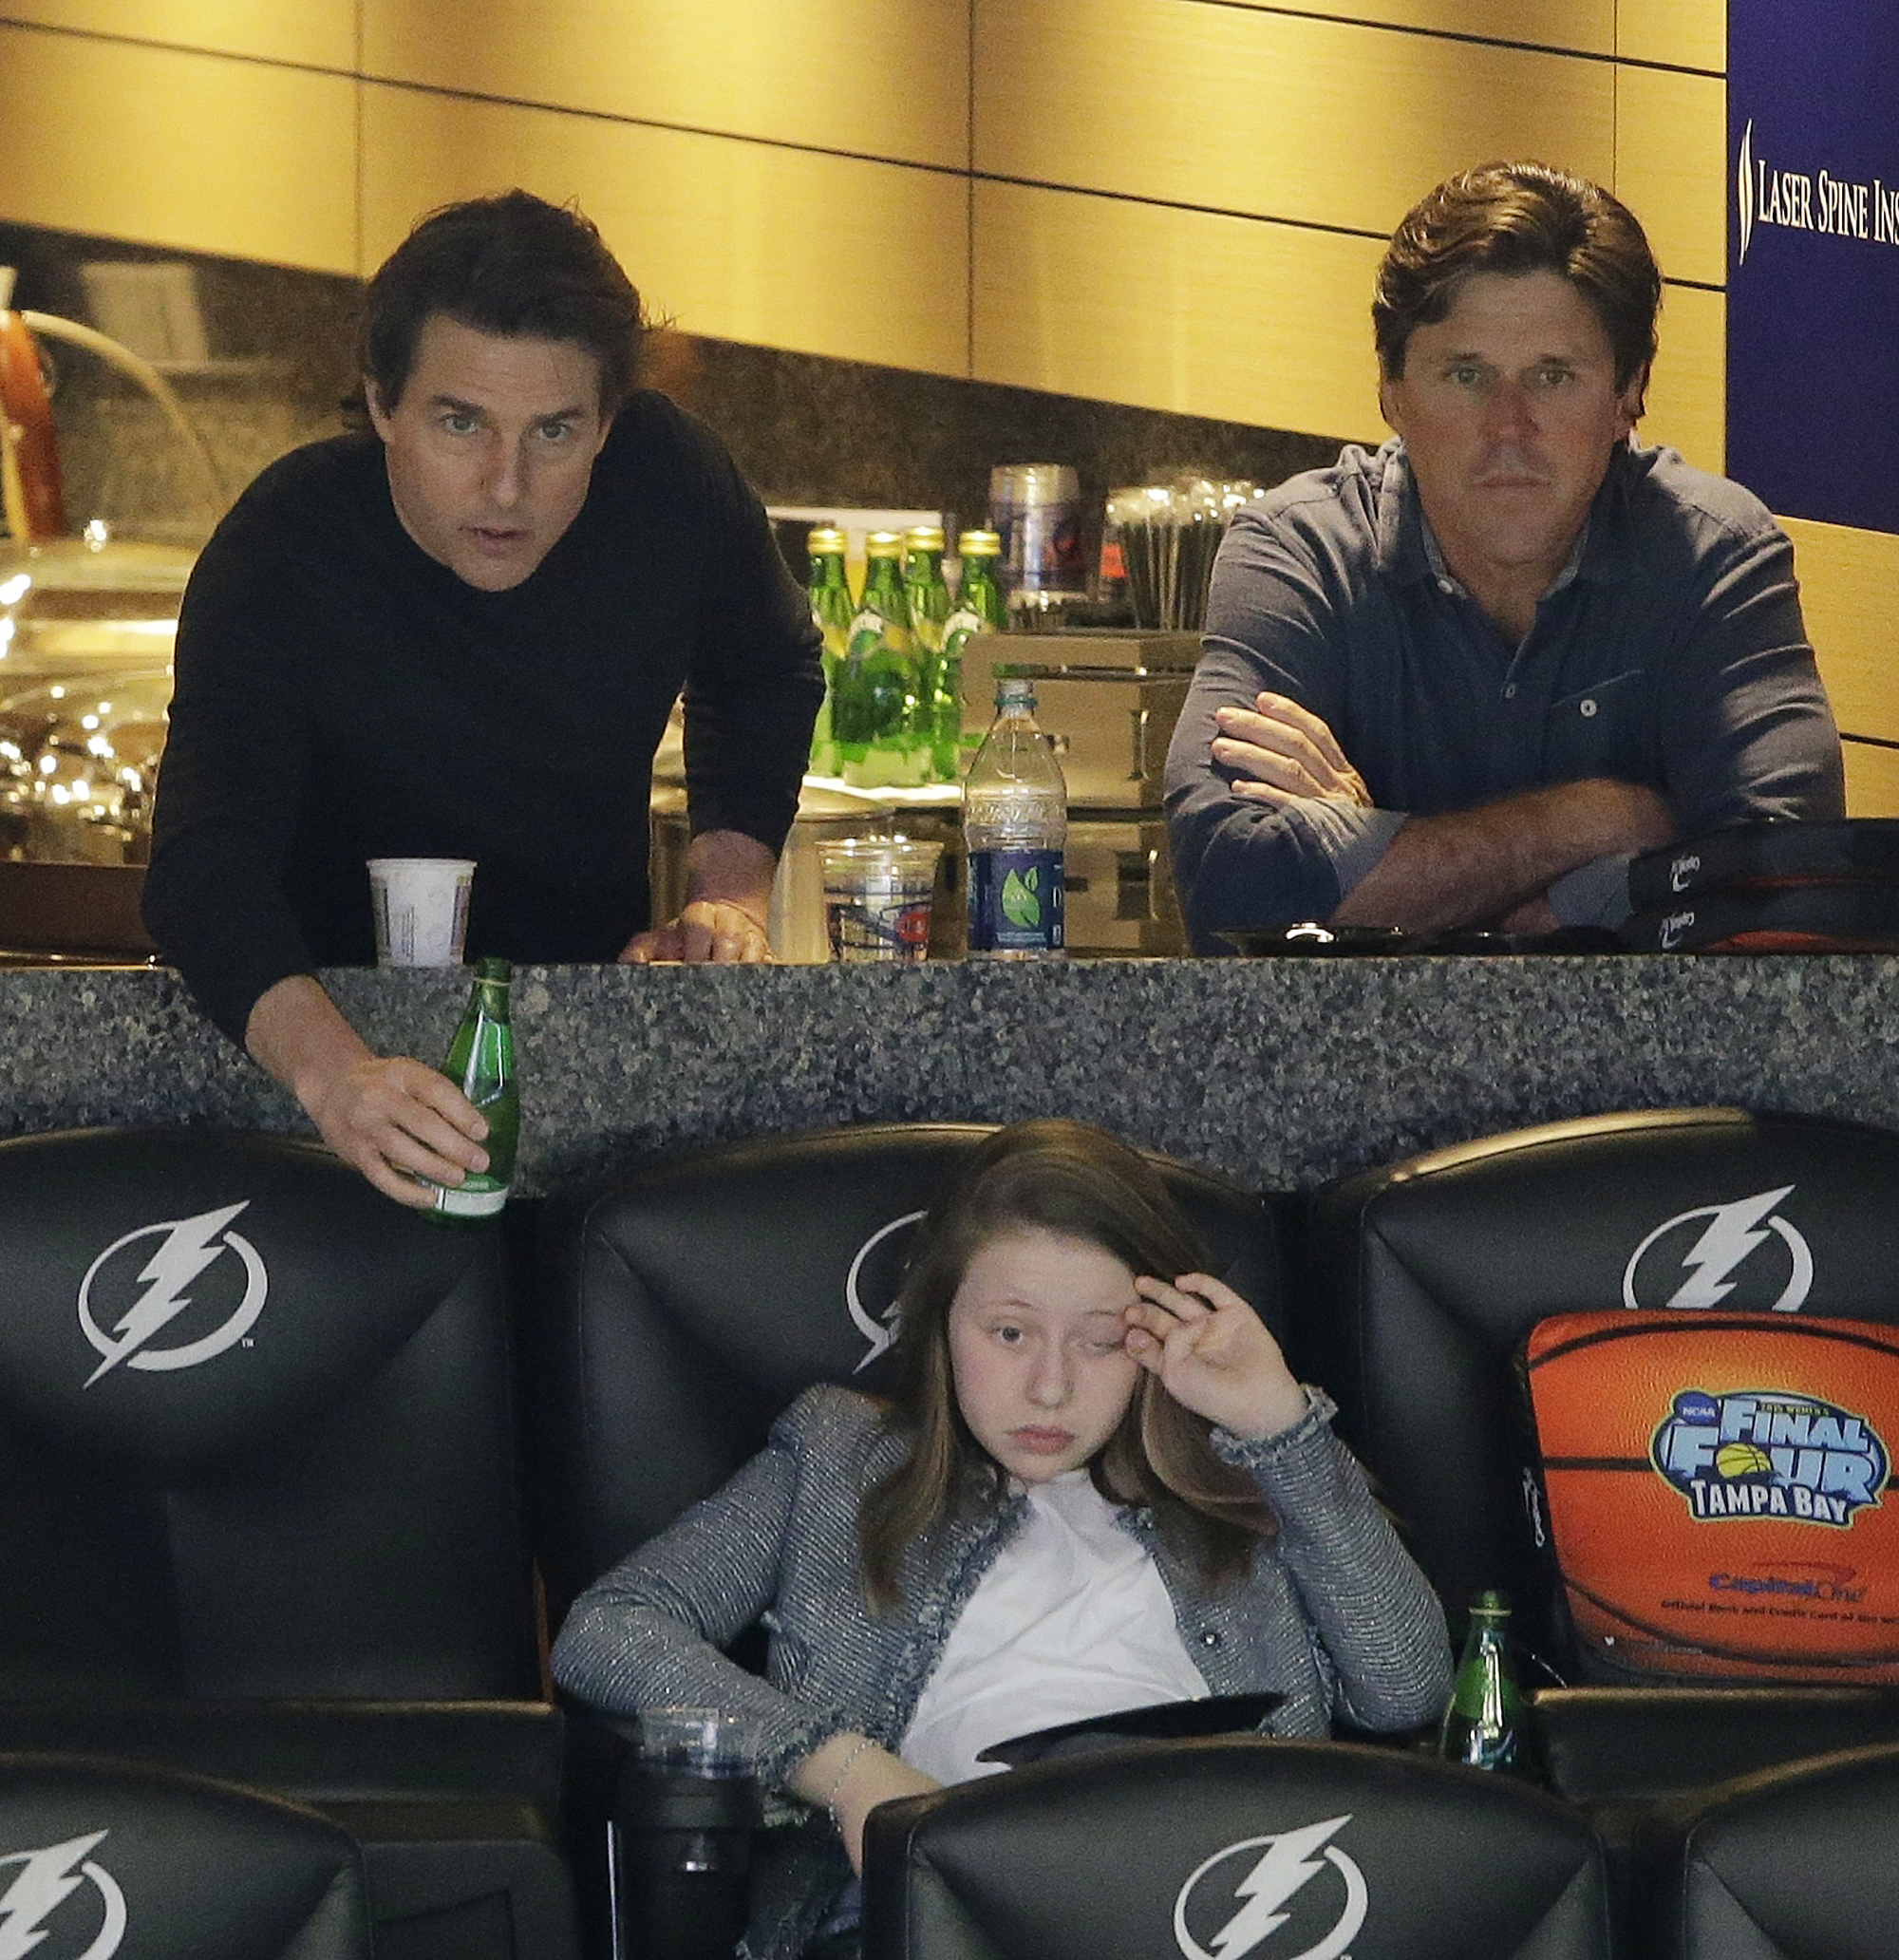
x=1172, y=203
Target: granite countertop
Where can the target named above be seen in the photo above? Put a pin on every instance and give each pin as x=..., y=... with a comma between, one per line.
x=1282, y=1073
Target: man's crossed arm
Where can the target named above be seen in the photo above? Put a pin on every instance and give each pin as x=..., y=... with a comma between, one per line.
x=1491, y=864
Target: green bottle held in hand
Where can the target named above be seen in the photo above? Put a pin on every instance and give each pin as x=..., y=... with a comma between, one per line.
x=481, y=1064
x=1486, y=1724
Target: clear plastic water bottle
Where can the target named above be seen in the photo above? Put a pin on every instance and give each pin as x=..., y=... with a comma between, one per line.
x=1015, y=822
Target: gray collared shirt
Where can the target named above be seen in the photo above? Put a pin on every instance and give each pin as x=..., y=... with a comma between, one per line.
x=1669, y=652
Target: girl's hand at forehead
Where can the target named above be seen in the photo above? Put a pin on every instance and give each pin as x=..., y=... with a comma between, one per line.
x=1214, y=1354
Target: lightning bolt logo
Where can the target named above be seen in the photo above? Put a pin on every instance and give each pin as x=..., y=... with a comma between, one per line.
x=877, y=1334
x=45, y=1881
x=1287, y=1862
x=1731, y=1235
x=189, y=1246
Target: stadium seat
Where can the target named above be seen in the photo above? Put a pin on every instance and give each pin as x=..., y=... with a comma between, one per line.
x=1425, y=1282
x=1796, y=1861
x=99, y=1858
x=1234, y=1847
x=259, y=1515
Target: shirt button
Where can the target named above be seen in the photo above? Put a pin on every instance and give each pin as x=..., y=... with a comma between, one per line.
x=1587, y=708
x=1210, y=1638
x=1509, y=692
x=1446, y=586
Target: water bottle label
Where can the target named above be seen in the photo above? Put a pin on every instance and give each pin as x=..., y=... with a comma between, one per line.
x=1015, y=901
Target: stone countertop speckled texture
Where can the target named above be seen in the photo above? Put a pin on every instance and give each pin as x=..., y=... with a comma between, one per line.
x=1281, y=1073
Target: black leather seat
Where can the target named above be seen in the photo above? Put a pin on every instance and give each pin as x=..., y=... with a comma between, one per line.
x=1796, y=1861
x=1425, y=1279
x=101, y=1857
x=691, y=1299
x=1234, y=1849
x=260, y=1517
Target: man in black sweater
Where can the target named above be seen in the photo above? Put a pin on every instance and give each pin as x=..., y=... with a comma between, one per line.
x=461, y=636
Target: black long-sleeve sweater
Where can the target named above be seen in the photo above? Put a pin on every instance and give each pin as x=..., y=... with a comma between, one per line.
x=341, y=696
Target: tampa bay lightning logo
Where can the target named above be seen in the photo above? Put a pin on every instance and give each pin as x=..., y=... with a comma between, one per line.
x=1234, y=1902
x=871, y=1285
x=187, y=1249
x=34, y=1907
x=1688, y=1263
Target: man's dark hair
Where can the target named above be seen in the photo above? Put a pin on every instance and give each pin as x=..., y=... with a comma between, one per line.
x=513, y=265
x=1519, y=218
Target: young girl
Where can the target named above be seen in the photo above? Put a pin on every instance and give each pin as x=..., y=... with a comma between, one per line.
x=1093, y=1488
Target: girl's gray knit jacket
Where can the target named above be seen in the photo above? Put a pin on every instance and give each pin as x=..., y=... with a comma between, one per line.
x=1333, y=1614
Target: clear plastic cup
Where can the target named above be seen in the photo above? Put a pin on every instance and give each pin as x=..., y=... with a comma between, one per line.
x=877, y=897
x=421, y=906
x=700, y=1741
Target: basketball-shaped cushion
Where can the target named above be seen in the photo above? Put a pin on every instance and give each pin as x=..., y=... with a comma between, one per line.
x=1717, y=1491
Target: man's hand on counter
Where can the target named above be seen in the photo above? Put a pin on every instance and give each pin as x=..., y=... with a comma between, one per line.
x=728, y=881
x=707, y=930
x=389, y=1117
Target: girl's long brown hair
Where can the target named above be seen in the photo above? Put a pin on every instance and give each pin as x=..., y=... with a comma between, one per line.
x=1065, y=1177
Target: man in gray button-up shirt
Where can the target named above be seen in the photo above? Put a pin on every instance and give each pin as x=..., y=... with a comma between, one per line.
x=1461, y=680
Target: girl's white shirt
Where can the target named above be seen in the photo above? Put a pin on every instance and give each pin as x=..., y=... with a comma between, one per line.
x=1072, y=1620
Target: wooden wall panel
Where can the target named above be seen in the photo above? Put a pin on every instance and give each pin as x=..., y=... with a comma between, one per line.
x=1306, y=120
x=1847, y=580
x=1690, y=33
x=1670, y=145
x=187, y=150
x=740, y=241
x=1687, y=402
x=1871, y=780
x=321, y=33
x=1184, y=310
x=882, y=77
x=1585, y=26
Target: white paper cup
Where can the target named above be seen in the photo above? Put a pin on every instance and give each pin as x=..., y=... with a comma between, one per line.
x=877, y=897
x=421, y=909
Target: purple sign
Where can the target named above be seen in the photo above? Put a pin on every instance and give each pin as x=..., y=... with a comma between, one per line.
x=1812, y=281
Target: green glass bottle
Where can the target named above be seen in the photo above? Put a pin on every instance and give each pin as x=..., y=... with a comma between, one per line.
x=1486, y=1724
x=928, y=599
x=875, y=717
x=832, y=610
x=979, y=610
x=481, y=1064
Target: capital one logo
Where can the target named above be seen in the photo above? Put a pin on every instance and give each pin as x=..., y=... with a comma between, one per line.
x=187, y=1249
x=1245, y=1893
x=877, y=1326
x=33, y=1907
x=1746, y=1238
